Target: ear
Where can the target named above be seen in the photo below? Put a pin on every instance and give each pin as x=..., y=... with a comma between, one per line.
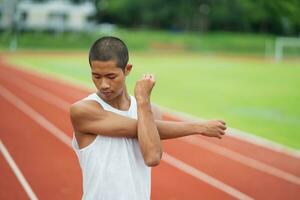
x=128, y=69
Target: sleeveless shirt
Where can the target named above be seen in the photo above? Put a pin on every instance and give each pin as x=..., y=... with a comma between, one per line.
x=113, y=168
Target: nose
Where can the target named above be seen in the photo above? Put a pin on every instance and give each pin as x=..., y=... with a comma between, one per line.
x=104, y=85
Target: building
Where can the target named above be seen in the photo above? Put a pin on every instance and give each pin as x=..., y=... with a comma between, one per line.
x=54, y=15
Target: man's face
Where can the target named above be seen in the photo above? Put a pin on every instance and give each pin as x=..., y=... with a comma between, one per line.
x=108, y=78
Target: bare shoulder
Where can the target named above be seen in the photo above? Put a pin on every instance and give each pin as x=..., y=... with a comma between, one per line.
x=156, y=110
x=84, y=108
x=82, y=113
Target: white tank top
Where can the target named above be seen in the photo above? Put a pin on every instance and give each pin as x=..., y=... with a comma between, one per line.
x=113, y=168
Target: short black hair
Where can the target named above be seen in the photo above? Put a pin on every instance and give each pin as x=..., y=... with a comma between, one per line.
x=109, y=48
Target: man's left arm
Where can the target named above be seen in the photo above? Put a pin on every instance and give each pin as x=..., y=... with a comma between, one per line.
x=175, y=129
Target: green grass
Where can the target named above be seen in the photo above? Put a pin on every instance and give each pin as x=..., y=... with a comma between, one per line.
x=254, y=95
x=143, y=40
x=214, y=42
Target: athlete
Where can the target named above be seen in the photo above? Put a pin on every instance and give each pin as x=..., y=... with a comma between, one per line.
x=117, y=137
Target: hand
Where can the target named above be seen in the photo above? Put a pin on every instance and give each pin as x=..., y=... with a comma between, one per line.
x=144, y=87
x=211, y=128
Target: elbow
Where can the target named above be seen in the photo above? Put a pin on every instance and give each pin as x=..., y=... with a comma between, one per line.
x=153, y=160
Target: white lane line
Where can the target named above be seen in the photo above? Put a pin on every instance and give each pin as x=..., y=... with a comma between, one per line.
x=204, y=177
x=31, y=113
x=54, y=77
x=250, y=162
x=240, y=135
x=263, y=142
x=37, y=91
x=67, y=140
x=17, y=172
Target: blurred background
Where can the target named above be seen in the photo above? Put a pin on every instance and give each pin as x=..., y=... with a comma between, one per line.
x=229, y=59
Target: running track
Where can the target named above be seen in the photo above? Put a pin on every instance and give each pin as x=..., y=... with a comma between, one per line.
x=36, y=161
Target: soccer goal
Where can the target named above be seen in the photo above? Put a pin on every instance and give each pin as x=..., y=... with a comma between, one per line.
x=282, y=43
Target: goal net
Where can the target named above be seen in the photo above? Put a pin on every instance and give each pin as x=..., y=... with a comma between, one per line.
x=283, y=44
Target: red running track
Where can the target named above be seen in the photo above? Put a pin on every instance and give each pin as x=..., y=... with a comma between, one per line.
x=193, y=168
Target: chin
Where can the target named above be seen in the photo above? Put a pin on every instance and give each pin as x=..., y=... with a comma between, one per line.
x=107, y=98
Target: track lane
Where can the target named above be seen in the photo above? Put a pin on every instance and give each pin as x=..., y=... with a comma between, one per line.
x=169, y=183
x=281, y=161
x=9, y=184
x=255, y=183
x=63, y=89
x=240, y=158
x=49, y=166
x=22, y=180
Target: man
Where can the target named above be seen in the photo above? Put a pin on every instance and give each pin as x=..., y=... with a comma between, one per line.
x=116, y=137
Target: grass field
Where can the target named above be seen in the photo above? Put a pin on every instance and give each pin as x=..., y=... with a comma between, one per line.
x=216, y=42
x=251, y=94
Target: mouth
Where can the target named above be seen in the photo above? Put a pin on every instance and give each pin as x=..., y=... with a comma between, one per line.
x=106, y=94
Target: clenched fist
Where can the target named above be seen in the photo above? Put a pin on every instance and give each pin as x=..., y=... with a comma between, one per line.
x=211, y=128
x=144, y=87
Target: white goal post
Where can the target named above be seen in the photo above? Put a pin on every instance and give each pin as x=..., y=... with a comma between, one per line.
x=283, y=42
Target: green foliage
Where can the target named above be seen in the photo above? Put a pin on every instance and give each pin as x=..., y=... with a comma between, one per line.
x=276, y=16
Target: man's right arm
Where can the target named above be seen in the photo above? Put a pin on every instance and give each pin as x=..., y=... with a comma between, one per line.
x=89, y=117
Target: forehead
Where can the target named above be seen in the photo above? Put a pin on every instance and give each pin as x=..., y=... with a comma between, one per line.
x=105, y=67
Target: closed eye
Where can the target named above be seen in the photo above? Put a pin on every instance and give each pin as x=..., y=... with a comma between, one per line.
x=111, y=77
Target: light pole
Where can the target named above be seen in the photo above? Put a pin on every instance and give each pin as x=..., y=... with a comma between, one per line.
x=14, y=26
